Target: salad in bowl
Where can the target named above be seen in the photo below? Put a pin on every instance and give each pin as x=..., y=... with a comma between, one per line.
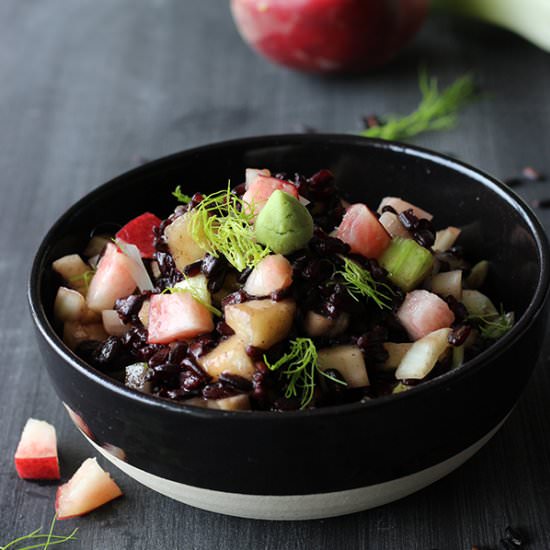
x=277, y=294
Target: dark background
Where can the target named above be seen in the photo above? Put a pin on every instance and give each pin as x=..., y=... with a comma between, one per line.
x=90, y=88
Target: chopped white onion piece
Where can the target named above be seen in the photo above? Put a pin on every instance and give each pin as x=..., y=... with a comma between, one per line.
x=138, y=271
x=113, y=324
x=303, y=200
x=423, y=355
x=93, y=261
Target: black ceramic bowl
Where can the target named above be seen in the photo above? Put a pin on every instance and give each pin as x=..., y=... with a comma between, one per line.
x=331, y=461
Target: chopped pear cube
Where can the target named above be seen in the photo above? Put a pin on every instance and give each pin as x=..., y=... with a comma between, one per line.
x=396, y=352
x=445, y=239
x=261, y=323
x=183, y=248
x=448, y=283
x=229, y=356
x=348, y=361
x=75, y=272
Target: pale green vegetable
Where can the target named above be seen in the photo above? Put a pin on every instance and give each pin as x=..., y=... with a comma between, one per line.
x=528, y=18
x=197, y=286
x=284, y=225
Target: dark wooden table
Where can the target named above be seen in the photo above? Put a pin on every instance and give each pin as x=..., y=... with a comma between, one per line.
x=90, y=88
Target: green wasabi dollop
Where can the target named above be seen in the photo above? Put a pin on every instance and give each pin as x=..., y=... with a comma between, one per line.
x=284, y=224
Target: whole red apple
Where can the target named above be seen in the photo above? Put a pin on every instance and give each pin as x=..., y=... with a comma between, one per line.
x=328, y=35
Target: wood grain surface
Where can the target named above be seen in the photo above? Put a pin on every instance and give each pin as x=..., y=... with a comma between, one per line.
x=90, y=88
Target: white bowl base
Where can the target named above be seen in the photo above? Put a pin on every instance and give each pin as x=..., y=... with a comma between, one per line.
x=298, y=507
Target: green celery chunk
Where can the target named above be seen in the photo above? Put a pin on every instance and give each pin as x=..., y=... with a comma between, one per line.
x=406, y=262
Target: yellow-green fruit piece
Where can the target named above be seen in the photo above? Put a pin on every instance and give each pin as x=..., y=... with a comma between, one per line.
x=284, y=224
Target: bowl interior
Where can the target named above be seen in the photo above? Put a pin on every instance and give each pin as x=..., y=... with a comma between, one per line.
x=495, y=225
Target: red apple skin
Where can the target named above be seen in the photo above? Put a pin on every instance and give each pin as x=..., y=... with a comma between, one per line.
x=36, y=454
x=46, y=467
x=328, y=36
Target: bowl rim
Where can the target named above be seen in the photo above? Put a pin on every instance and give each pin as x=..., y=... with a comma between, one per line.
x=505, y=193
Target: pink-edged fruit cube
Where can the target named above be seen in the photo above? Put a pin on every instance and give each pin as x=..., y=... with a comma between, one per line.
x=88, y=489
x=273, y=273
x=140, y=232
x=177, y=316
x=112, y=280
x=36, y=454
x=363, y=232
x=423, y=312
x=259, y=191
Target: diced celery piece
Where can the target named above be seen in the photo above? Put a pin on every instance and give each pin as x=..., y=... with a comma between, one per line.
x=406, y=262
x=458, y=356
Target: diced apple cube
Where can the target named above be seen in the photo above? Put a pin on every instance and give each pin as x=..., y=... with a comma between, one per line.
x=75, y=272
x=317, y=325
x=36, y=454
x=423, y=312
x=112, y=323
x=88, y=489
x=396, y=352
x=423, y=355
x=177, y=316
x=259, y=191
x=251, y=175
x=399, y=205
x=363, y=232
x=183, y=248
x=445, y=239
x=69, y=305
x=273, y=273
x=478, y=304
x=143, y=314
x=75, y=332
x=448, y=283
x=112, y=280
x=141, y=232
x=348, y=361
x=228, y=356
x=261, y=323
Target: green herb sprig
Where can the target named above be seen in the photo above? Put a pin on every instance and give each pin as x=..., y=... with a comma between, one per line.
x=223, y=224
x=181, y=196
x=300, y=367
x=40, y=540
x=196, y=296
x=85, y=277
x=493, y=327
x=436, y=111
x=359, y=282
